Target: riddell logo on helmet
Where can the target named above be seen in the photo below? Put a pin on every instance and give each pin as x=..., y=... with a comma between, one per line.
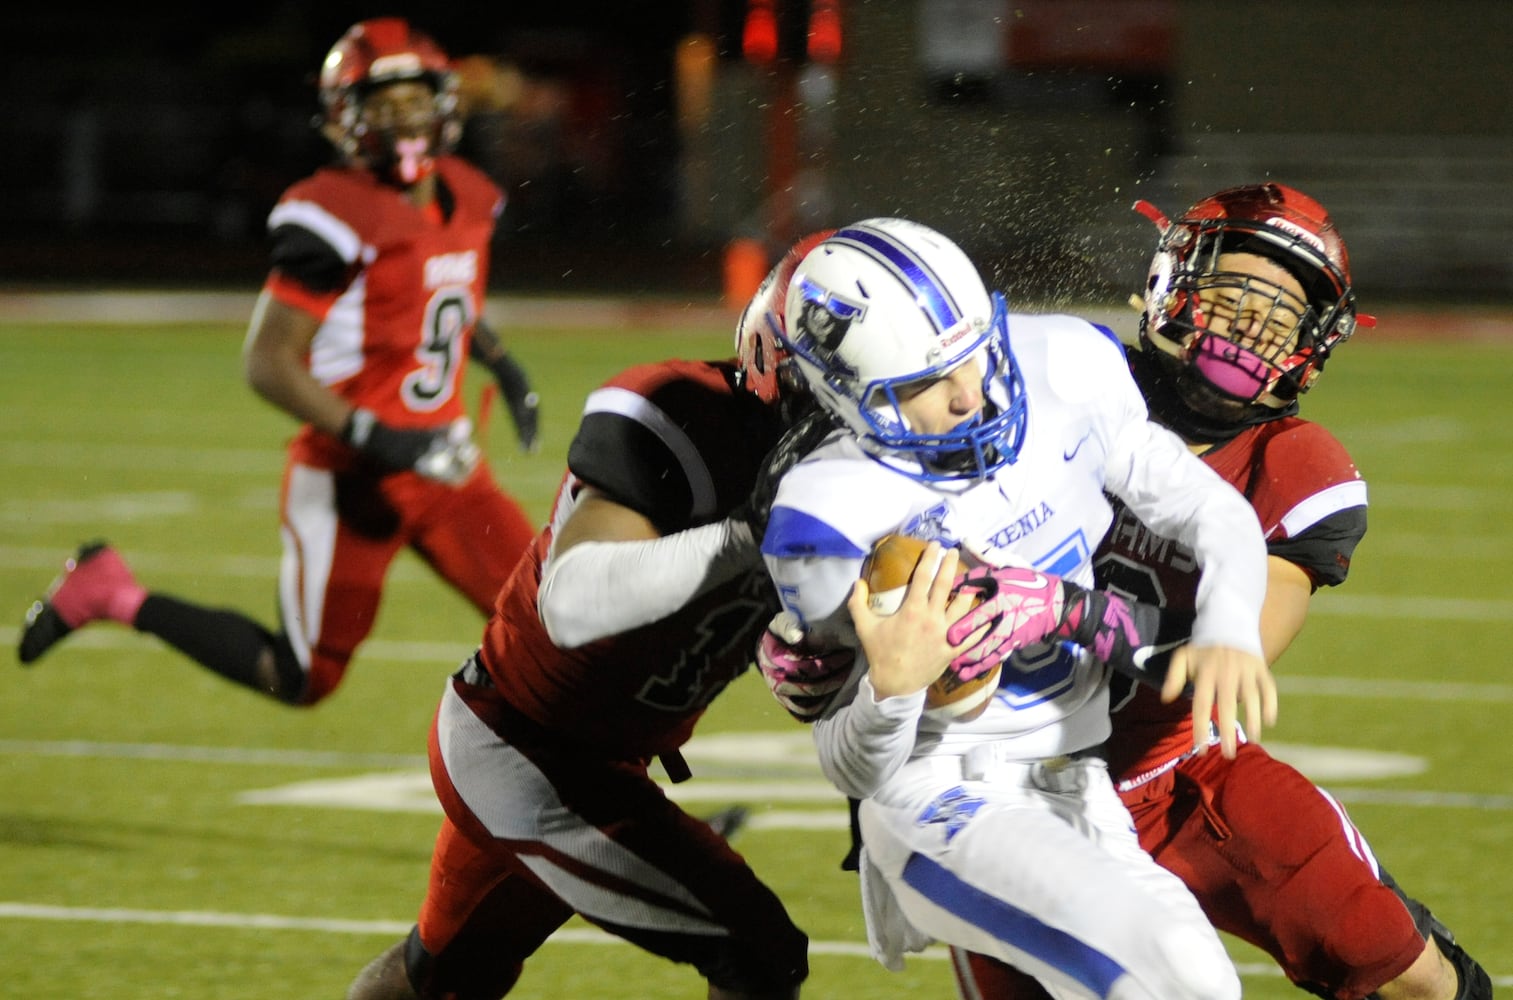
x=961, y=328
x=1296, y=230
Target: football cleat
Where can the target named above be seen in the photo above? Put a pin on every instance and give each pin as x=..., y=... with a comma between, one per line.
x=95, y=584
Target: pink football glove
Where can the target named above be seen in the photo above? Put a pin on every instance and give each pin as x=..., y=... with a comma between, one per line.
x=1020, y=607
x=803, y=681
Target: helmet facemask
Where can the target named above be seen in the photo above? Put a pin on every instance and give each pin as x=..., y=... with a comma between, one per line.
x=401, y=145
x=395, y=131
x=1239, y=322
x=1242, y=312
x=975, y=448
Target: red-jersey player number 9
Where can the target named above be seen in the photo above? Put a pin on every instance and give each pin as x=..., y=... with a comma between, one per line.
x=440, y=351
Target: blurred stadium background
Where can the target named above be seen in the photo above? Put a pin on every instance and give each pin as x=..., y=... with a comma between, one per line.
x=636, y=140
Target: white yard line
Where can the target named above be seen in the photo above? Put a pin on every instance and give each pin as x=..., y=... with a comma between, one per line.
x=13, y=910
x=386, y=928
x=399, y=782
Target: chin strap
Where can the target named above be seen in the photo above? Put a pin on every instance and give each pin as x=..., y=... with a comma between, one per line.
x=1159, y=384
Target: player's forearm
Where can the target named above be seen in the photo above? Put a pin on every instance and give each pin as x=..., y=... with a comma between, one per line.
x=484, y=346
x=864, y=743
x=292, y=389
x=1134, y=639
x=598, y=588
x=1182, y=498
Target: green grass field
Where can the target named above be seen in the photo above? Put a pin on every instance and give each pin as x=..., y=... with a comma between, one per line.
x=164, y=834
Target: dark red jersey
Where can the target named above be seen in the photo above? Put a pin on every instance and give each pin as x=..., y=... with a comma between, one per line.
x=397, y=288
x=678, y=443
x=1311, y=502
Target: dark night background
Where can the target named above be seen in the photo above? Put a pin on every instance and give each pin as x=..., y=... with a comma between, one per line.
x=146, y=146
x=151, y=148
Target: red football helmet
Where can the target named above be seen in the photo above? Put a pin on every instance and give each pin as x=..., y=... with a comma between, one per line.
x=1193, y=305
x=760, y=355
x=374, y=54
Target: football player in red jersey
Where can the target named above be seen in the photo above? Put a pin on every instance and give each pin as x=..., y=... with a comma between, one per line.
x=1249, y=295
x=639, y=602
x=370, y=310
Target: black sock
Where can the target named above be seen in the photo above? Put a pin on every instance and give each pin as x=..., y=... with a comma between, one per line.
x=225, y=642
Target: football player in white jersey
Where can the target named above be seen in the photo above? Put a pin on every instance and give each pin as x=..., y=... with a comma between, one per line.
x=997, y=436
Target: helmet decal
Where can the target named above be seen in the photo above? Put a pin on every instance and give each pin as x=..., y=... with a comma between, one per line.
x=1293, y=229
x=823, y=320
x=762, y=360
x=885, y=304
x=913, y=272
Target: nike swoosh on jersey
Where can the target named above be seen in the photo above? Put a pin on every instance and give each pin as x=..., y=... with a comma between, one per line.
x=1069, y=455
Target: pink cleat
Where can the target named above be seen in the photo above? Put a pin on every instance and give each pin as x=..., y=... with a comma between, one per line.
x=96, y=584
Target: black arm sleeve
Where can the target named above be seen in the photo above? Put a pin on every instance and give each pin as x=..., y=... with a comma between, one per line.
x=1134, y=639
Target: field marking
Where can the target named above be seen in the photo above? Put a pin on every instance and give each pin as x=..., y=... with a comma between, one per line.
x=118, y=638
x=697, y=313
x=1394, y=690
x=722, y=760
x=786, y=757
x=222, y=463
x=411, y=793
x=14, y=910
x=209, y=755
x=1412, y=608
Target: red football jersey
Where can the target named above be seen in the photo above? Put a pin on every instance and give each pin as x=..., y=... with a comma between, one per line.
x=677, y=442
x=1311, y=501
x=398, y=288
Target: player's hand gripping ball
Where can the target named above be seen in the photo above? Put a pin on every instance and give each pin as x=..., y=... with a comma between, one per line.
x=887, y=570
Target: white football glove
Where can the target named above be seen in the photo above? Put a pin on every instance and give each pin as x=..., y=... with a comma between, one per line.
x=450, y=459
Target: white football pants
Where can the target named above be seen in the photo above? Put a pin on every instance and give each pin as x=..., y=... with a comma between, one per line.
x=1036, y=864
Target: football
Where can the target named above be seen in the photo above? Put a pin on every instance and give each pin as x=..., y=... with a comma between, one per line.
x=887, y=570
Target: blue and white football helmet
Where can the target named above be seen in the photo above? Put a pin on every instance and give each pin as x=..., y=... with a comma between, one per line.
x=888, y=302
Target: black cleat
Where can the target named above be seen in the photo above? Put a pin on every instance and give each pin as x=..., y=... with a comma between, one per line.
x=42, y=629
x=45, y=625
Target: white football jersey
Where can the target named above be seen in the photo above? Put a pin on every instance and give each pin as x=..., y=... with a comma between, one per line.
x=1088, y=433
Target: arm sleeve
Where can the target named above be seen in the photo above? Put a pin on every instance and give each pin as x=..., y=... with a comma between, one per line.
x=863, y=742
x=1177, y=495
x=602, y=588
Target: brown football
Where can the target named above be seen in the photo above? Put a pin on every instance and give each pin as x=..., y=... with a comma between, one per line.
x=887, y=570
